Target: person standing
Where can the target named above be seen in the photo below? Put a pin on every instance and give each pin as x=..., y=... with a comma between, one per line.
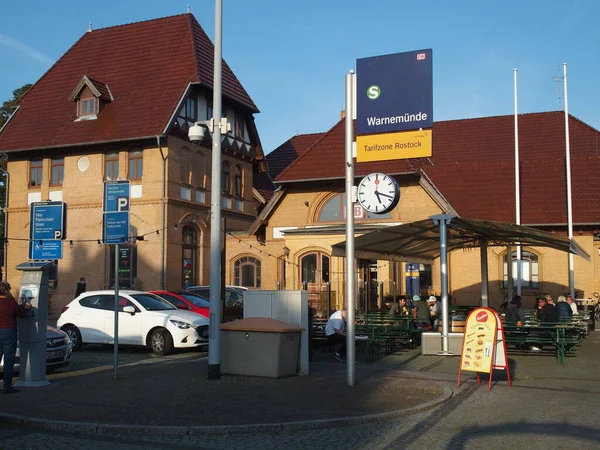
x=336, y=334
x=9, y=311
x=81, y=287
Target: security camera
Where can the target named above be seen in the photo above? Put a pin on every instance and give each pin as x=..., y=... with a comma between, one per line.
x=196, y=133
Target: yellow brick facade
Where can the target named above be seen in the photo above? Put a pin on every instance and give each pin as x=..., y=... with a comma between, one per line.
x=301, y=209
x=83, y=193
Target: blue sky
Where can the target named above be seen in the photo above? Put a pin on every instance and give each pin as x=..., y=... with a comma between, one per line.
x=292, y=56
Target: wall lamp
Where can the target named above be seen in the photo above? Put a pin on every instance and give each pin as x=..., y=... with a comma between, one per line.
x=286, y=251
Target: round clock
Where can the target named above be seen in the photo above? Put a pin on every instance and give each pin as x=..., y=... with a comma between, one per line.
x=378, y=193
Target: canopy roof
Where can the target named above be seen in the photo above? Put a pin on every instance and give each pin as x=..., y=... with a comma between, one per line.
x=420, y=241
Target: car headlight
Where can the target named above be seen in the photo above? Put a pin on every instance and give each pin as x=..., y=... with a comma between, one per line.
x=180, y=324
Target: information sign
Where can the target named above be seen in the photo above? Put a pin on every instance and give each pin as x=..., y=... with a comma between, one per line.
x=47, y=220
x=117, y=195
x=115, y=227
x=45, y=250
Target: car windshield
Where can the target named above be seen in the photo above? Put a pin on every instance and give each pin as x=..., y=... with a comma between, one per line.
x=152, y=302
x=200, y=302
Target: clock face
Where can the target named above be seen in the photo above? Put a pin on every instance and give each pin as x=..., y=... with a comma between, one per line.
x=378, y=193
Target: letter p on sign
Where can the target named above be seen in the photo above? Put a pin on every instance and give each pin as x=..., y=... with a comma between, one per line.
x=122, y=204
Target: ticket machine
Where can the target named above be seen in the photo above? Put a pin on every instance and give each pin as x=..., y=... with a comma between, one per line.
x=33, y=328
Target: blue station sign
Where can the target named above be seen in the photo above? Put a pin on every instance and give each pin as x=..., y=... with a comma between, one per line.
x=45, y=250
x=117, y=195
x=394, y=92
x=115, y=229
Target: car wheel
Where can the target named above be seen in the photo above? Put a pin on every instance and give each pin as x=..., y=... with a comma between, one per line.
x=161, y=342
x=75, y=336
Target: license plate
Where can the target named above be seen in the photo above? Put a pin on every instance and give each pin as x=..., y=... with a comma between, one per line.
x=52, y=355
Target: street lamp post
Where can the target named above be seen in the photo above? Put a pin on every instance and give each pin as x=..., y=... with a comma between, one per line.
x=215, y=126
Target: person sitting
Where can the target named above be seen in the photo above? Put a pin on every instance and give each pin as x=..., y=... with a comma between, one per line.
x=545, y=314
x=336, y=334
x=572, y=304
x=421, y=313
x=403, y=309
x=434, y=311
x=514, y=312
x=562, y=308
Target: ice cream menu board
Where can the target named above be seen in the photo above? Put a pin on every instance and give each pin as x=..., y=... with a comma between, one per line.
x=479, y=341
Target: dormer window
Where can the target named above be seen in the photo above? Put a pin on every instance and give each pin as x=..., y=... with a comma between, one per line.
x=91, y=96
x=87, y=106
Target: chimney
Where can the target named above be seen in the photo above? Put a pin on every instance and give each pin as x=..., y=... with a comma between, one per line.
x=342, y=114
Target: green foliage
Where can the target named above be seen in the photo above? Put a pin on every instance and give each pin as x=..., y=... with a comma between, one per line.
x=6, y=110
x=7, y=107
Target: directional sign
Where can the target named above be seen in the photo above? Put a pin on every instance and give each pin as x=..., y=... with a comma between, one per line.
x=115, y=228
x=47, y=220
x=45, y=250
x=117, y=195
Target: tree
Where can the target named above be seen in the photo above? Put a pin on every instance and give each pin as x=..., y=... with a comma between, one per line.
x=8, y=106
x=6, y=110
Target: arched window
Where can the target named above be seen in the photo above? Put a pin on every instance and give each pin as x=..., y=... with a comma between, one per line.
x=226, y=178
x=247, y=272
x=334, y=211
x=237, y=184
x=530, y=276
x=189, y=257
x=314, y=276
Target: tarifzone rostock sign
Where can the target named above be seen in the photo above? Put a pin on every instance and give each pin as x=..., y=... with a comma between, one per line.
x=394, y=92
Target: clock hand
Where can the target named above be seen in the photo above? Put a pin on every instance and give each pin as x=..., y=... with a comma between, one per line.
x=377, y=194
x=385, y=195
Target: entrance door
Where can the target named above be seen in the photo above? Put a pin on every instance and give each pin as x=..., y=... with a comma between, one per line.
x=314, y=276
x=367, y=285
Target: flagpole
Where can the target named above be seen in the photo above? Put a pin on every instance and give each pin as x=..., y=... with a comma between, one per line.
x=517, y=192
x=569, y=194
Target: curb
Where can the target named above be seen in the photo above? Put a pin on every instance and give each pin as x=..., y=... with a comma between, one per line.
x=158, y=430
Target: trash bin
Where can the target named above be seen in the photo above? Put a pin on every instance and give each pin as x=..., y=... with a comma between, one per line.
x=260, y=346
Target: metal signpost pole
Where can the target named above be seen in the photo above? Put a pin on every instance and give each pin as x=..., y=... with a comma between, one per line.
x=214, y=350
x=517, y=191
x=443, y=220
x=116, y=360
x=350, y=303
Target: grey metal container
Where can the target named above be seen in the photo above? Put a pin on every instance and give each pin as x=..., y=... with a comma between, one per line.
x=260, y=346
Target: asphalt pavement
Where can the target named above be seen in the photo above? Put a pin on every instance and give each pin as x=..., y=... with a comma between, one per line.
x=402, y=401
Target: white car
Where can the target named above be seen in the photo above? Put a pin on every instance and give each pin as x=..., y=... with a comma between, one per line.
x=144, y=319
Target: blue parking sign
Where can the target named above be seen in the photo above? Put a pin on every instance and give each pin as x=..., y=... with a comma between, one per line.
x=115, y=228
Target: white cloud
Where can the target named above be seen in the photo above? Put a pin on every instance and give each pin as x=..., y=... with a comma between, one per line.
x=13, y=44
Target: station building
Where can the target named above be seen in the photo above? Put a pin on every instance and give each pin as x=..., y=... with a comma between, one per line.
x=471, y=174
x=118, y=105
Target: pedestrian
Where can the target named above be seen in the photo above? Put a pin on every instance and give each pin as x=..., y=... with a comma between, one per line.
x=9, y=311
x=434, y=311
x=81, y=287
x=335, y=330
x=514, y=312
x=572, y=304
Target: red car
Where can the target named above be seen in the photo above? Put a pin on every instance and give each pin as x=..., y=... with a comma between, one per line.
x=186, y=300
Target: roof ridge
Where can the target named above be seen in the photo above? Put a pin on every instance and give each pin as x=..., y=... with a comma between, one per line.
x=156, y=19
x=325, y=134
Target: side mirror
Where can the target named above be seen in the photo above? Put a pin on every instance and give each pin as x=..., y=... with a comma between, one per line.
x=129, y=309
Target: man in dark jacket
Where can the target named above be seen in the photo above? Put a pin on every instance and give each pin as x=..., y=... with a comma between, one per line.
x=545, y=314
x=9, y=311
x=81, y=287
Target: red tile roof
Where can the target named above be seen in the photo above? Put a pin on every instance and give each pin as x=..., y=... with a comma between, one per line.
x=473, y=167
x=282, y=157
x=147, y=66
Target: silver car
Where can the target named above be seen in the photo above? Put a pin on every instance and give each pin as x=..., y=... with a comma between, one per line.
x=58, y=350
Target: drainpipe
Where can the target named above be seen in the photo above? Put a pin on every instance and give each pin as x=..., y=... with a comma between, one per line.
x=162, y=207
x=5, y=265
